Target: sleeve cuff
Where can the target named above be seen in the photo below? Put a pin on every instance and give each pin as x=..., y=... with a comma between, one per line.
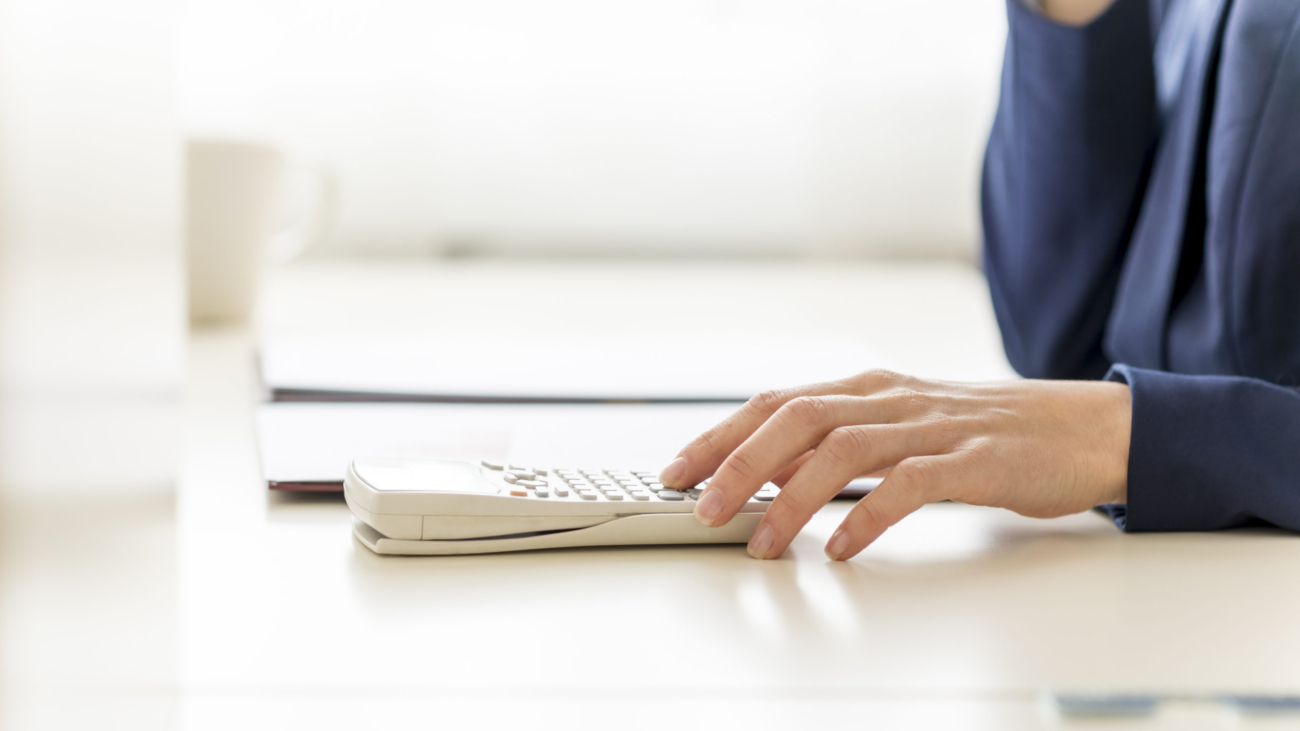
x=1208, y=452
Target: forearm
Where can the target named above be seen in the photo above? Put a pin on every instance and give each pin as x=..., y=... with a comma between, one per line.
x=1063, y=171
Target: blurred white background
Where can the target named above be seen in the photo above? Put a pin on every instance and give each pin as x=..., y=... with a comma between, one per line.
x=696, y=127
x=579, y=126
x=92, y=318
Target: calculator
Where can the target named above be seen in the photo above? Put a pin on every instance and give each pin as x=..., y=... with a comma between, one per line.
x=437, y=507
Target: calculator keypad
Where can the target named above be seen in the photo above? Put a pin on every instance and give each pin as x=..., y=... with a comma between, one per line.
x=597, y=484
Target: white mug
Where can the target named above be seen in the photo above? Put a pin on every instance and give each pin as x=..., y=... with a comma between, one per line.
x=234, y=192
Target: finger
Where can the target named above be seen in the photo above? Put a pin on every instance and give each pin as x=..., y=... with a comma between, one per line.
x=784, y=475
x=909, y=486
x=796, y=427
x=705, y=453
x=845, y=453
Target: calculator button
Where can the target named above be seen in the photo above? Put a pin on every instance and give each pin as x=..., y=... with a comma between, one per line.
x=524, y=474
x=764, y=496
x=510, y=477
x=640, y=495
x=540, y=470
x=561, y=491
x=614, y=496
x=519, y=493
x=542, y=492
x=492, y=465
x=533, y=483
x=587, y=495
x=671, y=495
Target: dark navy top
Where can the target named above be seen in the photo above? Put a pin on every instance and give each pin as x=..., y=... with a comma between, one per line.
x=1141, y=205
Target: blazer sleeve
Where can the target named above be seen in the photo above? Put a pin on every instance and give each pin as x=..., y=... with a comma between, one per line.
x=1209, y=452
x=1063, y=173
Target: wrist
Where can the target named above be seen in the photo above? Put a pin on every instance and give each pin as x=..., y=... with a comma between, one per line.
x=1116, y=437
x=1072, y=12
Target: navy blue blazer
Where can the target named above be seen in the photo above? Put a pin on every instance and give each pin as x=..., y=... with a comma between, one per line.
x=1141, y=205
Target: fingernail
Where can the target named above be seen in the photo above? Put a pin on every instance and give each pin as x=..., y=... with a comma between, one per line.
x=674, y=472
x=708, y=507
x=837, y=545
x=761, y=542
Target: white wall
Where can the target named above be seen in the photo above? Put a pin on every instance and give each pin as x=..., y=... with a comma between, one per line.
x=637, y=125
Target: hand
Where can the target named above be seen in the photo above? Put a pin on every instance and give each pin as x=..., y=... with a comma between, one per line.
x=1040, y=448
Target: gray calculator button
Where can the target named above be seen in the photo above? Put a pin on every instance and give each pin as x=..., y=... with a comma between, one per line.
x=540, y=470
x=542, y=492
x=492, y=465
x=533, y=483
x=613, y=496
x=671, y=495
x=765, y=497
x=510, y=477
x=587, y=495
x=561, y=491
x=525, y=474
x=638, y=495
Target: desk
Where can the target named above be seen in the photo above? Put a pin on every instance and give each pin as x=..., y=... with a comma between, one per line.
x=242, y=609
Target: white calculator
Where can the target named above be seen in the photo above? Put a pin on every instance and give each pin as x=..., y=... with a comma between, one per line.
x=434, y=507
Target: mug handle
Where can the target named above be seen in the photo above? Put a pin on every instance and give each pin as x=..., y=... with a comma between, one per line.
x=293, y=241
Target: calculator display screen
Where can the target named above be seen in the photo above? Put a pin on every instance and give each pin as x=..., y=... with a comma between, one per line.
x=400, y=475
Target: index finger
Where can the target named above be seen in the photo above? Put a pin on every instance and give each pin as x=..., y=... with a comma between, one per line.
x=702, y=457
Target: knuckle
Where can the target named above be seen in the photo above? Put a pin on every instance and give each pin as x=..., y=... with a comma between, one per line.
x=845, y=445
x=877, y=378
x=706, y=442
x=910, y=399
x=742, y=464
x=767, y=402
x=915, y=477
x=868, y=513
x=796, y=505
x=979, y=448
x=809, y=411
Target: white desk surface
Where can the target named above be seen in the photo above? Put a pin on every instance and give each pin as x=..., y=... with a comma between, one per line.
x=234, y=608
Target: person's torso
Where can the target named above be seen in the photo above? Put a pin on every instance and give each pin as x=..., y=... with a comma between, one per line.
x=1211, y=281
